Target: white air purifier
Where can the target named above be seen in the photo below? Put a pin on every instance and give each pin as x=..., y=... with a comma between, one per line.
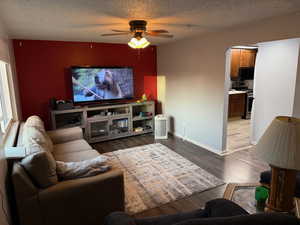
x=161, y=127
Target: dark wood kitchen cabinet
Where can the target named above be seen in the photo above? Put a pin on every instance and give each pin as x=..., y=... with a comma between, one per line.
x=235, y=63
x=241, y=58
x=247, y=58
x=237, y=105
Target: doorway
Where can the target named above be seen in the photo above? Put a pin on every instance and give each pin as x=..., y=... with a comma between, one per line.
x=275, y=92
x=240, y=97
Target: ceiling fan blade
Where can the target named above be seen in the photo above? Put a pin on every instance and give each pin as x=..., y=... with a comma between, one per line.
x=197, y=26
x=114, y=34
x=158, y=31
x=123, y=31
x=95, y=25
x=160, y=35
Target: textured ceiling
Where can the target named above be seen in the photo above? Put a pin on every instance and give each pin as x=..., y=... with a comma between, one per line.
x=85, y=20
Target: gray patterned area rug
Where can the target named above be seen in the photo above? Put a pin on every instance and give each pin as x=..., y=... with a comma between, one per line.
x=156, y=175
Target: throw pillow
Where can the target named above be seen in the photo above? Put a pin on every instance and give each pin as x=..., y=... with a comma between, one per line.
x=41, y=167
x=86, y=168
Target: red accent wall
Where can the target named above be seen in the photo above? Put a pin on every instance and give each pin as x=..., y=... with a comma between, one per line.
x=43, y=69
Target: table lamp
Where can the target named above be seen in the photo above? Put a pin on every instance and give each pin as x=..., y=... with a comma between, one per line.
x=280, y=147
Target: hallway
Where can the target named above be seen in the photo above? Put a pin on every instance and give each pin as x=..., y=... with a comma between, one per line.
x=238, y=135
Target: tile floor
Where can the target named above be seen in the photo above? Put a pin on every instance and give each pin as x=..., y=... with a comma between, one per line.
x=238, y=135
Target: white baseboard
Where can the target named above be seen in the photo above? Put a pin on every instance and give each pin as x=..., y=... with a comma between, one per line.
x=206, y=147
x=235, y=150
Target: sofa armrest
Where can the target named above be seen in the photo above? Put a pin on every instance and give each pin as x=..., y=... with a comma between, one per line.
x=223, y=208
x=119, y=218
x=83, y=201
x=64, y=135
x=253, y=219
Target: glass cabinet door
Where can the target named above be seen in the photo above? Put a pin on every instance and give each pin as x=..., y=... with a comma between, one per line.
x=99, y=129
x=119, y=126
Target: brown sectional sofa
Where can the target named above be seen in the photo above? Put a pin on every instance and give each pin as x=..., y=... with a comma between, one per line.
x=79, y=201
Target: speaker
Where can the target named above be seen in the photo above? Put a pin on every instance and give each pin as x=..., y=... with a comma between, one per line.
x=161, y=127
x=52, y=103
x=64, y=104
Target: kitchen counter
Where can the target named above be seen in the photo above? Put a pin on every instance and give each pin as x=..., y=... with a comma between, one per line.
x=234, y=92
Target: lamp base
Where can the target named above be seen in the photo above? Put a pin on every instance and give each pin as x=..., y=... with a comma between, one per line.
x=283, y=184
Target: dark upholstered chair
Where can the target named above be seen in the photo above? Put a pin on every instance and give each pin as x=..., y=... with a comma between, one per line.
x=216, y=212
x=265, y=179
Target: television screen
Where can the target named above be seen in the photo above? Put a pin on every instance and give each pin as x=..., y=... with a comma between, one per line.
x=98, y=83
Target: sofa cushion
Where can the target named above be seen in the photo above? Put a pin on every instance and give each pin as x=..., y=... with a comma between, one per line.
x=33, y=137
x=41, y=167
x=49, y=142
x=65, y=134
x=35, y=121
x=76, y=156
x=71, y=146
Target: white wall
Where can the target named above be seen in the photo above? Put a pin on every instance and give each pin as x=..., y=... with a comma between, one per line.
x=161, y=92
x=227, y=87
x=195, y=76
x=4, y=50
x=6, y=54
x=296, y=109
x=274, y=84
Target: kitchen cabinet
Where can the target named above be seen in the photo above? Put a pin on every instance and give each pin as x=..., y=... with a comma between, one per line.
x=241, y=58
x=235, y=63
x=247, y=58
x=237, y=105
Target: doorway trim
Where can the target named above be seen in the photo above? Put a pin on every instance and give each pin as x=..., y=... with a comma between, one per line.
x=226, y=98
x=227, y=81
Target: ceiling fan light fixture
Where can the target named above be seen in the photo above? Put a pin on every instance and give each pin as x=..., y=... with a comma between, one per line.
x=138, y=43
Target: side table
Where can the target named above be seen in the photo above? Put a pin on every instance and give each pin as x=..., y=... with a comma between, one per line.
x=244, y=195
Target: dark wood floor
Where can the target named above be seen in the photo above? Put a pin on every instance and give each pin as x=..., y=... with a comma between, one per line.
x=241, y=166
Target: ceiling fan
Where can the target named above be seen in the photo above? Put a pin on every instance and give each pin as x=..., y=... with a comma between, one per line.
x=138, y=30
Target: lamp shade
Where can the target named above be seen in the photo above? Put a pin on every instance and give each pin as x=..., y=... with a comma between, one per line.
x=280, y=144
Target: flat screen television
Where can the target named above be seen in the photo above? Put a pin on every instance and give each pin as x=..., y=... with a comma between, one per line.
x=95, y=84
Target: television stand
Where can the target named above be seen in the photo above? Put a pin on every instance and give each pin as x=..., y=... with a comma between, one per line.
x=94, y=105
x=107, y=122
x=104, y=104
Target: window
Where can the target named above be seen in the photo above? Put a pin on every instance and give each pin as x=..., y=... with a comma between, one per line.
x=5, y=101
